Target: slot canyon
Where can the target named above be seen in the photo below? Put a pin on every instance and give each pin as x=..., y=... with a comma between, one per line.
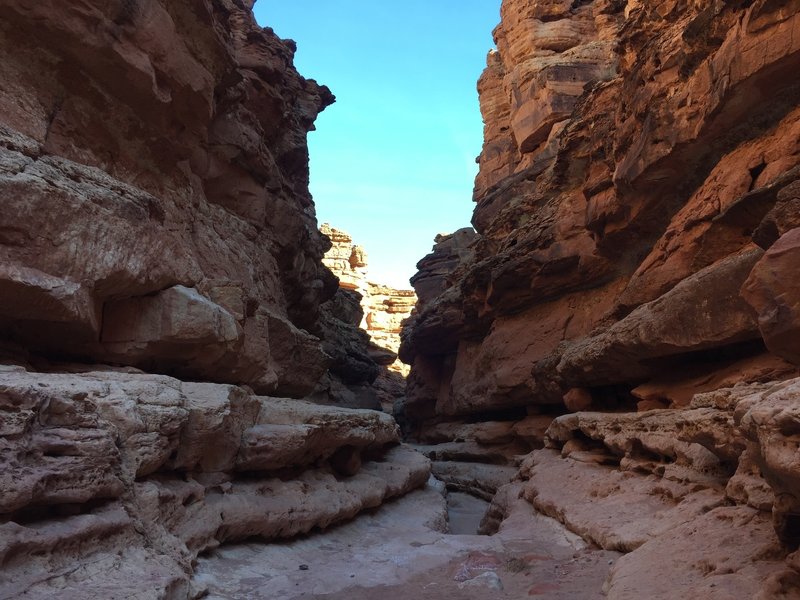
x=591, y=391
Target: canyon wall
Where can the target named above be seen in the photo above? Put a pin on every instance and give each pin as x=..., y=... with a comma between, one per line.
x=155, y=162
x=163, y=303
x=630, y=282
x=383, y=310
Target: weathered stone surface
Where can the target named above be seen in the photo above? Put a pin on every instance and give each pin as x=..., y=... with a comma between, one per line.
x=723, y=215
x=98, y=555
x=473, y=452
x=782, y=217
x=639, y=160
x=139, y=473
x=475, y=478
x=346, y=344
x=155, y=164
x=768, y=417
x=729, y=552
x=561, y=488
x=449, y=251
x=374, y=308
x=345, y=259
x=671, y=435
x=486, y=432
x=659, y=486
x=703, y=311
x=384, y=313
x=677, y=390
x=177, y=315
x=545, y=55
x=402, y=550
x=383, y=308
x=621, y=197
x=218, y=416
x=636, y=218
x=168, y=329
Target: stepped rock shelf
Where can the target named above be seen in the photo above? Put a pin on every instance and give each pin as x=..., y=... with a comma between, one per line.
x=609, y=358
x=115, y=482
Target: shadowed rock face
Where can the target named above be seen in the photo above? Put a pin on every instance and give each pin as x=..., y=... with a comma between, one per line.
x=636, y=251
x=154, y=161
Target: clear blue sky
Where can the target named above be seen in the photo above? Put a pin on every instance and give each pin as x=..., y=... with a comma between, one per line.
x=393, y=161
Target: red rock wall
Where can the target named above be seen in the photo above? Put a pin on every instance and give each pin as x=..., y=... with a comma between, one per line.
x=637, y=234
x=639, y=159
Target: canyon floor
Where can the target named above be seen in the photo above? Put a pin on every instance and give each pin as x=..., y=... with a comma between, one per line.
x=403, y=550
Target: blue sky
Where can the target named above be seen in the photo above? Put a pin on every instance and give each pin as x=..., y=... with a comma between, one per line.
x=393, y=161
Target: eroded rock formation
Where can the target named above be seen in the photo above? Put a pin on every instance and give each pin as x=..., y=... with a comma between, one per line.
x=617, y=334
x=117, y=481
x=155, y=163
x=635, y=255
x=383, y=310
x=156, y=229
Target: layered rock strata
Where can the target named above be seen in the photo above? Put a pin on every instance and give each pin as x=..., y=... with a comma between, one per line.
x=155, y=161
x=402, y=551
x=711, y=488
x=117, y=481
x=161, y=286
x=636, y=240
x=383, y=310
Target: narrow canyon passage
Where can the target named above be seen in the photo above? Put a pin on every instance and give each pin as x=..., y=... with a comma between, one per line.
x=593, y=391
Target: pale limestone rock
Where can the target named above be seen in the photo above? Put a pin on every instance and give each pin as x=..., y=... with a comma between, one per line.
x=139, y=473
x=27, y=292
x=178, y=315
x=479, y=479
x=346, y=260
x=98, y=555
x=401, y=550
x=666, y=433
x=588, y=499
x=729, y=552
x=769, y=417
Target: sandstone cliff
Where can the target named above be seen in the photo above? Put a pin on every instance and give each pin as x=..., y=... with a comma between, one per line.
x=637, y=238
x=383, y=310
x=157, y=230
